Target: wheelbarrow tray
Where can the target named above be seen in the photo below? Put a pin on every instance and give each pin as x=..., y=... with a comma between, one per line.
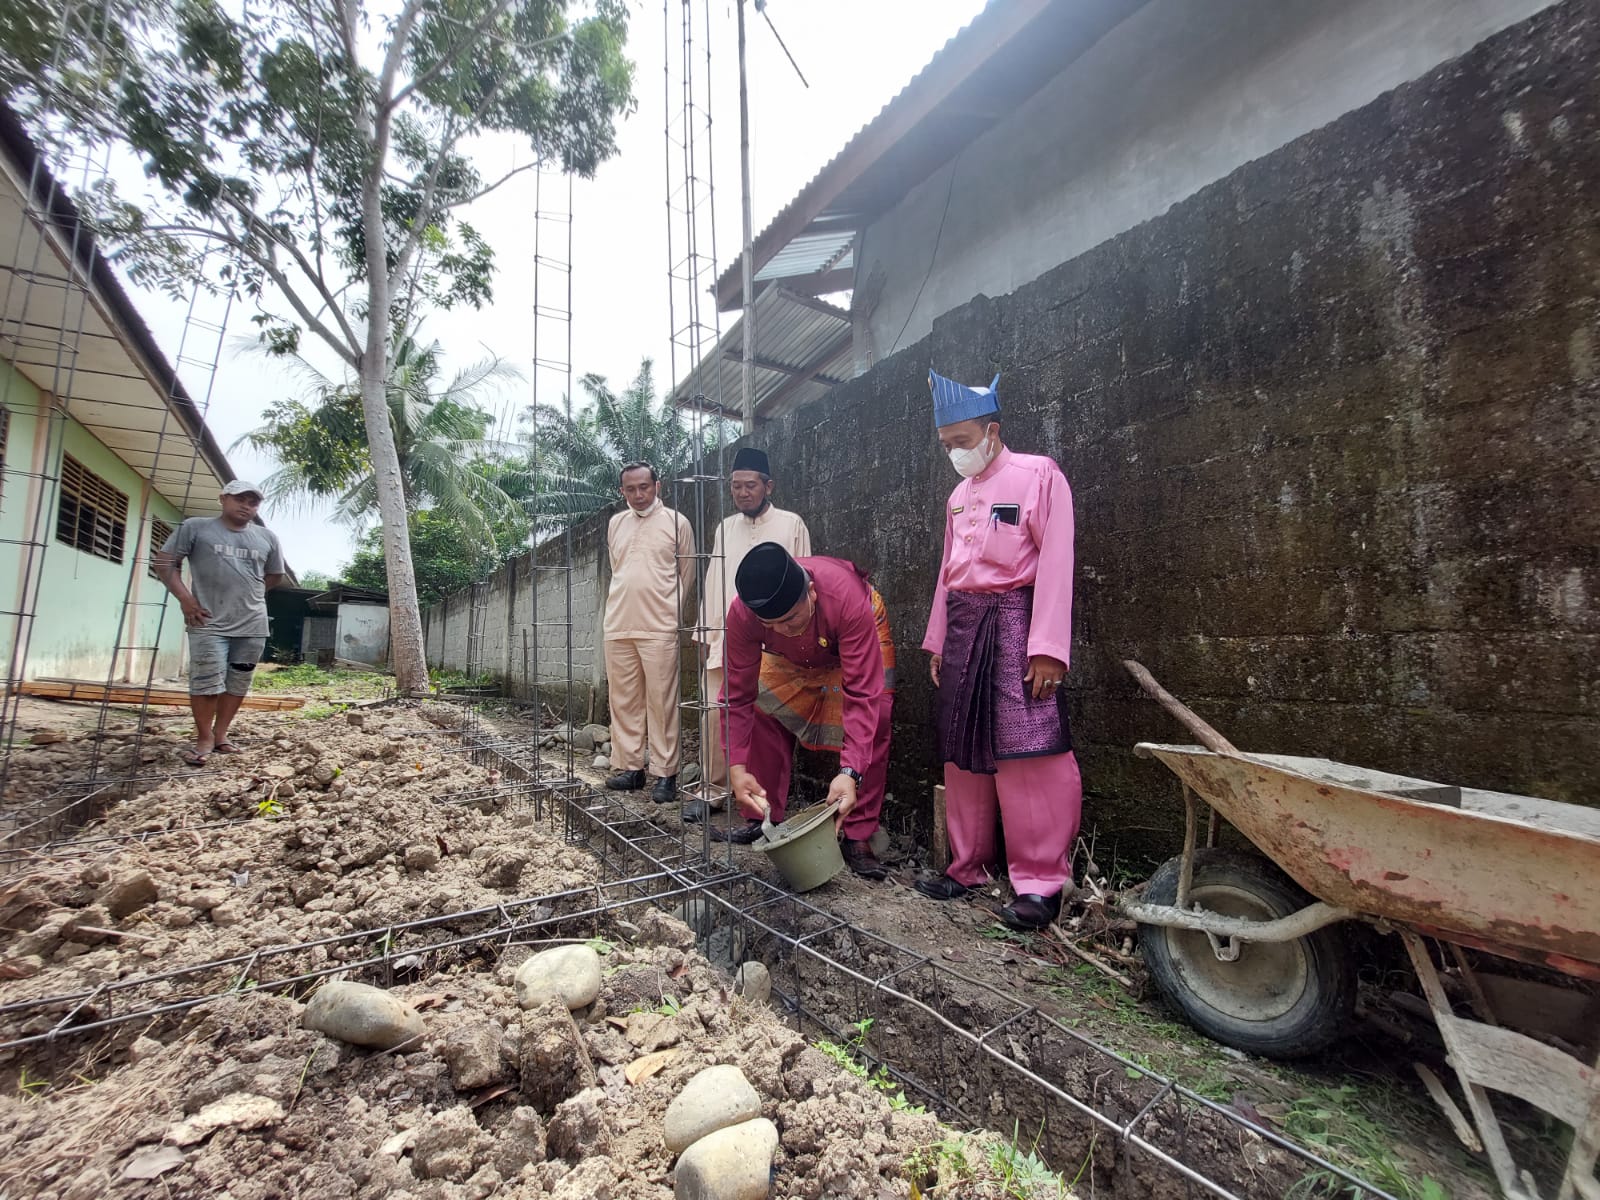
x=1508, y=871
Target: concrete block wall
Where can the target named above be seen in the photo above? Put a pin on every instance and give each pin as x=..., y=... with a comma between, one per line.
x=1330, y=426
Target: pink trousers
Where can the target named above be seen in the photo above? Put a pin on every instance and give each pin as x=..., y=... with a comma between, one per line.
x=1039, y=802
x=772, y=760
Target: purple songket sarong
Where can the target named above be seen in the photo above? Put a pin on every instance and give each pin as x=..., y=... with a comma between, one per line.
x=986, y=711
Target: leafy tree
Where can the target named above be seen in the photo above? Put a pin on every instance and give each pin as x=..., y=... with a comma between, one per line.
x=444, y=562
x=311, y=155
x=576, y=462
x=321, y=441
x=316, y=581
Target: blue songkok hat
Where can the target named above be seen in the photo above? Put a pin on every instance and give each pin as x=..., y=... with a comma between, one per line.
x=954, y=401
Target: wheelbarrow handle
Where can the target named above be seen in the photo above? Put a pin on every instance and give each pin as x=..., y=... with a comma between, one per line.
x=1209, y=737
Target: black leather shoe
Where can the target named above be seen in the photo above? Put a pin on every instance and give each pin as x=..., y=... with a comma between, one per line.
x=858, y=856
x=665, y=790
x=941, y=888
x=696, y=811
x=740, y=835
x=626, y=781
x=1031, y=912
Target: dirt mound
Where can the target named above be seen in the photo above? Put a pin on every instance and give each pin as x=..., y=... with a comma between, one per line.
x=325, y=837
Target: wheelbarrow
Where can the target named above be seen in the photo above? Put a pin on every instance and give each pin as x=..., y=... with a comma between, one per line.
x=1251, y=947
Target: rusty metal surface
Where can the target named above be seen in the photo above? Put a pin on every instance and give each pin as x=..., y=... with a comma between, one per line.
x=1502, y=881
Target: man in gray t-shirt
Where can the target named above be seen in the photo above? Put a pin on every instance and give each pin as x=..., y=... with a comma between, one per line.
x=233, y=562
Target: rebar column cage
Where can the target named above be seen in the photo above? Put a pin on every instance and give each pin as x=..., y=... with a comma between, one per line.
x=52, y=290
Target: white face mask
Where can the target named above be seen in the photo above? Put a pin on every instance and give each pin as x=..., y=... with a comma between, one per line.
x=972, y=461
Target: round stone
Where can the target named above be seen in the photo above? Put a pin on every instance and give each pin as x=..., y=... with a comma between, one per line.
x=714, y=1099
x=568, y=973
x=731, y=1164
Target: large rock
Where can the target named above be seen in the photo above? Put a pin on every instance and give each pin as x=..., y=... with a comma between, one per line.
x=450, y=1145
x=598, y=733
x=553, y=1059
x=754, y=982
x=714, y=1099
x=362, y=1015
x=730, y=1164
x=583, y=742
x=578, y=1128
x=129, y=893
x=568, y=973
x=472, y=1052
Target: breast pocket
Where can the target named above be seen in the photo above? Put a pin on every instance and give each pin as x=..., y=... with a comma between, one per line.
x=1002, y=544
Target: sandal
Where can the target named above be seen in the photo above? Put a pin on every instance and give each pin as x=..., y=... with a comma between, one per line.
x=226, y=748
x=194, y=758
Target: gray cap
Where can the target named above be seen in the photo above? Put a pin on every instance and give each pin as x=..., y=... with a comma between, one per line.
x=238, y=487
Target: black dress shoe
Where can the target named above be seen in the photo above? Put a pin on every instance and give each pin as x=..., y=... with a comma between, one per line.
x=740, y=835
x=696, y=811
x=666, y=789
x=1031, y=912
x=626, y=781
x=941, y=888
x=858, y=856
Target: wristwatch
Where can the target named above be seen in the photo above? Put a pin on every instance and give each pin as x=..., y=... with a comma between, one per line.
x=852, y=772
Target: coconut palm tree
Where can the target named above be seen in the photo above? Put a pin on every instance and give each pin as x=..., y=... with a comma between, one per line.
x=321, y=442
x=574, y=461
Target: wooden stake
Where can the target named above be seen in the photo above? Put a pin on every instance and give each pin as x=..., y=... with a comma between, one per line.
x=941, y=832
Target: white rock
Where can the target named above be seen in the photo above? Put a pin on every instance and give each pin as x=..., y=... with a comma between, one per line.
x=601, y=762
x=568, y=973
x=238, y=1111
x=730, y=1164
x=362, y=1015
x=714, y=1099
x=754, y=982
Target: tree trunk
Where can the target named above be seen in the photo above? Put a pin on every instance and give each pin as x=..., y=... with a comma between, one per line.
x=409, y=654
x=405, y=617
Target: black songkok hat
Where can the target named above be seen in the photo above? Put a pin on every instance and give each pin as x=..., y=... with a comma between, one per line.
x=751, y=459
x=769, y=581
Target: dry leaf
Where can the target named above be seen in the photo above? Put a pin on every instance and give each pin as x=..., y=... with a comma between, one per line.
x=490, y=1095
x=428, y=1000
x=679, y=971
x=152, y=1163
x=620, y=1022
x=641, y=1069
x=954, y=955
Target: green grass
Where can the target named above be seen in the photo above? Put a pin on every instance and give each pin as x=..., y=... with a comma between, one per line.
x=1336, y=1123
x=444, y=680
x=848, y=1057
x=310, y=679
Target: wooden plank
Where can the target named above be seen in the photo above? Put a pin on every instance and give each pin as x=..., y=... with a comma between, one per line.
x=99, y=693
x=1511, y=1062
x=941, y=832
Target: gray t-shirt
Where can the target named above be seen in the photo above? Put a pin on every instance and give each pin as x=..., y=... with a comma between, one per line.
x=227, y=572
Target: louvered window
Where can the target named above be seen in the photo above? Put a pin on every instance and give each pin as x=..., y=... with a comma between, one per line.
x=160, y=531
x=93, y=515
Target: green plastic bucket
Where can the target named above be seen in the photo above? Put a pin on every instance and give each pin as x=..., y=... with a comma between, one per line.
x=806, y=851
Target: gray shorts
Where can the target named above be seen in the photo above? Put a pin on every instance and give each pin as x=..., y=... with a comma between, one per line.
x=219, y=664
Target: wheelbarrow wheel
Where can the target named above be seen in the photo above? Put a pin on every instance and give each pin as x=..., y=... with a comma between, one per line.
x=1279, y=1000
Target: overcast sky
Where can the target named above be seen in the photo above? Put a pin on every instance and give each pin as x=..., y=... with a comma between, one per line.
x=856, y=54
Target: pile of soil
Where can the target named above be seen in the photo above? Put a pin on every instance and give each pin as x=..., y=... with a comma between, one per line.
x=343, y=825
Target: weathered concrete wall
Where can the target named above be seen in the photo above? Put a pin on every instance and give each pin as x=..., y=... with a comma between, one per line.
x=363, y=633
x=1174, y=98
x=525, y=638
x=1330, y=424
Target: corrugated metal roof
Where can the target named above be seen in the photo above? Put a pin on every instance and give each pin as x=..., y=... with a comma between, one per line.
x=1000, y=58
x=803, y=348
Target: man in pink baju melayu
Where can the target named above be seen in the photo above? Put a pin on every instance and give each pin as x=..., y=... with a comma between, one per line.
x=1000, y=633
